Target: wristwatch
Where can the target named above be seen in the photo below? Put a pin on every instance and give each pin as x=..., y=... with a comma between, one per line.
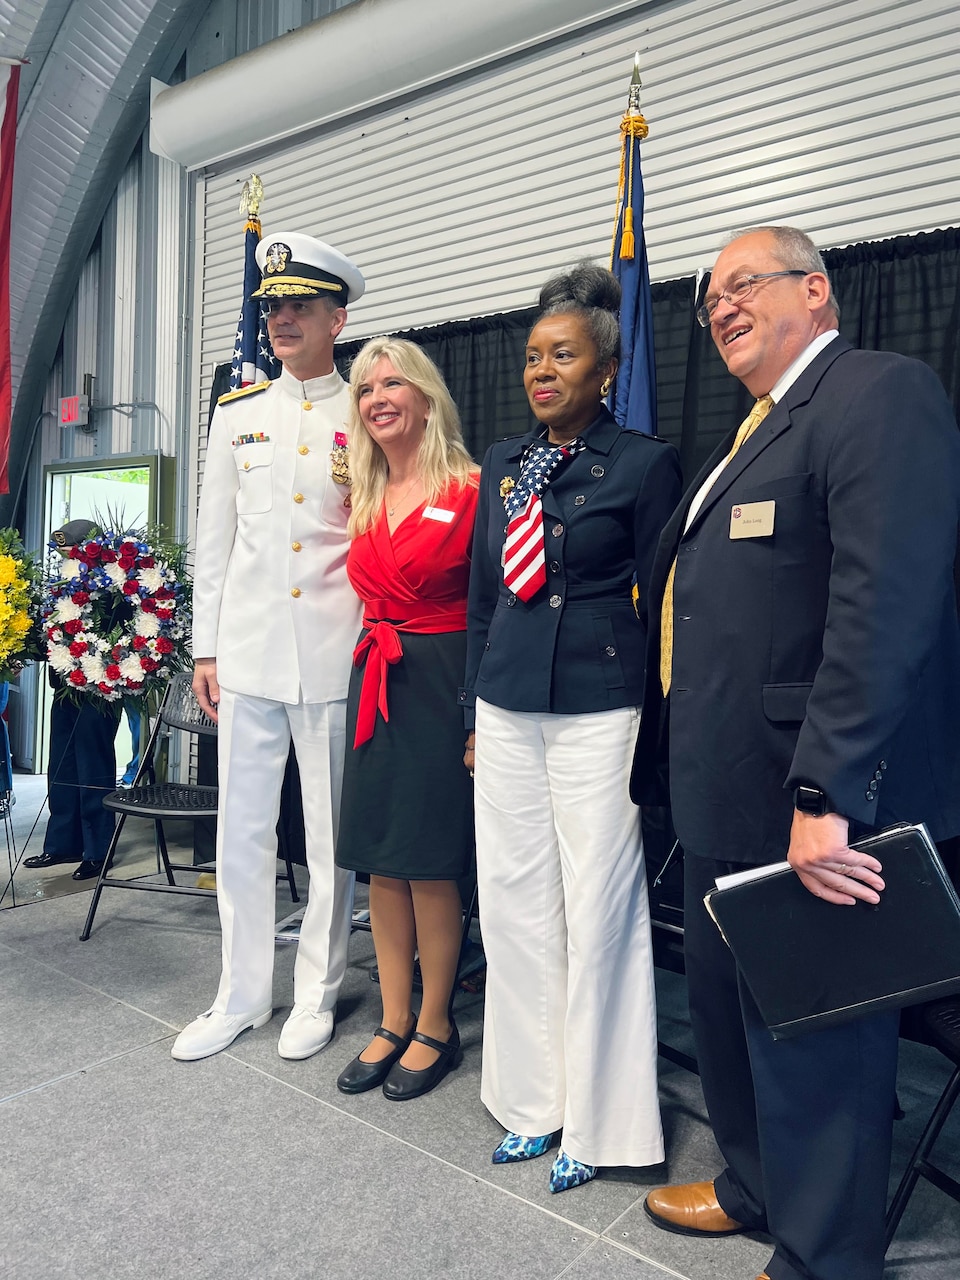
x=811, y=800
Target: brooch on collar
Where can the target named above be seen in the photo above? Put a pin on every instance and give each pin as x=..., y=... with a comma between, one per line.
x=340, y=459
x=507, y=485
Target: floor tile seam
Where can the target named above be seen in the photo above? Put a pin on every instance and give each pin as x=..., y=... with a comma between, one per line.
x=87, y=986
x=631, y=1253
x=644, y=1257
x=79, y=1071
x=635, y=1252
x=431, y=1155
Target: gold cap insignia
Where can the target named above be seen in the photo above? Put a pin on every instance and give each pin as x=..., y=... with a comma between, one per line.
x=278, y=255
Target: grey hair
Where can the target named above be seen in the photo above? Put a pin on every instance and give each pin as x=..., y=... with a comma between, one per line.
x=794, y=250
x=593, y=293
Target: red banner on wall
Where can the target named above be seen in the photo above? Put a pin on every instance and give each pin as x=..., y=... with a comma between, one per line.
x=9, y=85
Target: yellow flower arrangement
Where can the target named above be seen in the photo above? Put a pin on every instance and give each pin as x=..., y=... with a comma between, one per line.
x=19, y=602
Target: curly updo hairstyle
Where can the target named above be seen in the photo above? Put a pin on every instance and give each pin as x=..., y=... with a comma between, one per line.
x=593, y=293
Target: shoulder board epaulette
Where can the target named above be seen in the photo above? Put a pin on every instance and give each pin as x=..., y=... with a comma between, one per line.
x=244, y=391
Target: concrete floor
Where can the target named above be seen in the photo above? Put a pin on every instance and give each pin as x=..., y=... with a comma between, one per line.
x=118, y=1161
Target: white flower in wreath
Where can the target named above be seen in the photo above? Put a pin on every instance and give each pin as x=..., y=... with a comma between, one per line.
x=73, y=568
x=66, y=611
x=91, y=664
x=61, y=659
x=114, y=572
x=152, y=579
x=147, y=624
x=131, y=669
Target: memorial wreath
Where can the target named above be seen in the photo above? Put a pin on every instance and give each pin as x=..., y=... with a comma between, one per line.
x=116, y=614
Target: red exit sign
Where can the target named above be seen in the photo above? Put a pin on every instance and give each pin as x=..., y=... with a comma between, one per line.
x=74, y=411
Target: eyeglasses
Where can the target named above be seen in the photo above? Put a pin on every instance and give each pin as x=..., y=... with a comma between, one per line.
x=738, y=292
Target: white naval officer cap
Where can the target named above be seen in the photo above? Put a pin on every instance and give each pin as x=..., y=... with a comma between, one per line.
x=298, y=266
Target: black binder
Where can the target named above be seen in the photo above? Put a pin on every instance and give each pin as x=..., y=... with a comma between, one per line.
x=811, y=964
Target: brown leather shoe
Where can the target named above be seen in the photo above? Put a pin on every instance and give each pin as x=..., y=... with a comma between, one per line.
x=690, y=1209
x=763, y=1276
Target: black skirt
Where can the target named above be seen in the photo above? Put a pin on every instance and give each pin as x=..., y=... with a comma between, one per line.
x=407, y=805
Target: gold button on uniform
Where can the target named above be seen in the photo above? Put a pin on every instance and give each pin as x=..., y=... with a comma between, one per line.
x=297, y=546
x=295, y=592
x=246, y=466
x=298, y=497
x=307, y=404
x=303, y=449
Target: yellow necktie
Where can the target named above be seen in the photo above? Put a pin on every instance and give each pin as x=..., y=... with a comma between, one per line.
x=744, y=432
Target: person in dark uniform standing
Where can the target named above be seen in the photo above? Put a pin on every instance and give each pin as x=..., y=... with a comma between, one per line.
x=567, y=523
x=82, y=768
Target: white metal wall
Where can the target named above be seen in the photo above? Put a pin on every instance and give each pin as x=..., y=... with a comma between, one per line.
x=838, y=116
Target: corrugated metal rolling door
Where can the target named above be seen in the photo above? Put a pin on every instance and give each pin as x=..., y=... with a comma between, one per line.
x=837, y=116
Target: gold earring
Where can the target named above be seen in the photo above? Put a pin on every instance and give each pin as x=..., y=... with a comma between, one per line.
x=605, y=388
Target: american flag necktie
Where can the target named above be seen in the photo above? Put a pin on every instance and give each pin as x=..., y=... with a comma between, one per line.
x=524, y=562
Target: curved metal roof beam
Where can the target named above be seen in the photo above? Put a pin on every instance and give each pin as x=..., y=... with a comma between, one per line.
x=85, y=111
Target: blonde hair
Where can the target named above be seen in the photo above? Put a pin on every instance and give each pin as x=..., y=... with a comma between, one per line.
x=443, y=455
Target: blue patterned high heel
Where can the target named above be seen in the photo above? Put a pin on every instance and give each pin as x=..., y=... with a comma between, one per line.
x=516, y=1147
x=567, y=1173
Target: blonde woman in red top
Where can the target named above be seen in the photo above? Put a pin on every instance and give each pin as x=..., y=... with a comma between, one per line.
x=407, y=808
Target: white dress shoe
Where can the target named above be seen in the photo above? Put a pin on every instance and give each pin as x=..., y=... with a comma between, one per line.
x=212, y=1032
x=304, y=1033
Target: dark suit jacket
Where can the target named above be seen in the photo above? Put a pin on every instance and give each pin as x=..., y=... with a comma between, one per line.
x=578, y=645
x=829, y=652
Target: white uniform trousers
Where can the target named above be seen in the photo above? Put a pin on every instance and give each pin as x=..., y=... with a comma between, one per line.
x=570, y=1036
x=253, y=743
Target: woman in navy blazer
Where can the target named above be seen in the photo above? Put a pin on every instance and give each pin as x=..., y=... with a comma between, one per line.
x=568, y=520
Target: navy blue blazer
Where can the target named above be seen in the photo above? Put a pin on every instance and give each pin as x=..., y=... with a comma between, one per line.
x=578, y=645
x=828, y=652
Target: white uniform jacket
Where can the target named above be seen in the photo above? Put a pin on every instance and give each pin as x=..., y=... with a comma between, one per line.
x=272, y=602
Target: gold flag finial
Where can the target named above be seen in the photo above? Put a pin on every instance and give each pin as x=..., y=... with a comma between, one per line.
x=251, y=197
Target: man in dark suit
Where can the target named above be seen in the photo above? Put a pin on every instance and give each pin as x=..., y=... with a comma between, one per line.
x=804, y=688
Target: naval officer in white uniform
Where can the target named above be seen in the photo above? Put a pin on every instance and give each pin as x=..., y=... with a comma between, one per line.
x=275, y=621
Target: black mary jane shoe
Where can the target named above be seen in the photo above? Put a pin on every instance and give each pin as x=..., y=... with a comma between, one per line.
x=360, y=1076
x=87, y=870
x=402, y=1084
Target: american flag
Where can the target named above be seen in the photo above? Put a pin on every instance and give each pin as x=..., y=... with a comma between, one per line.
x=253, y=358
x=524, y=562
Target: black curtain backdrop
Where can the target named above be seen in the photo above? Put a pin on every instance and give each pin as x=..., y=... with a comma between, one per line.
x=895, y=295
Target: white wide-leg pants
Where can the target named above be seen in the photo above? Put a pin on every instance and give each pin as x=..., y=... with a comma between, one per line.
x=570, y=1038
x=253, y=742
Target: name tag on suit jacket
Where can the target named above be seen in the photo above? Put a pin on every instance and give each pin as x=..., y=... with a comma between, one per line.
x=752, y=519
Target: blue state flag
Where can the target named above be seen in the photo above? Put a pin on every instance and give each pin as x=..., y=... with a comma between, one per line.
x=253, y=358
x=633, y=400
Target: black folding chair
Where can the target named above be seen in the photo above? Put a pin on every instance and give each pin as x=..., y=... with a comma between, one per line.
x=163, y=801
x=940, y=1027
